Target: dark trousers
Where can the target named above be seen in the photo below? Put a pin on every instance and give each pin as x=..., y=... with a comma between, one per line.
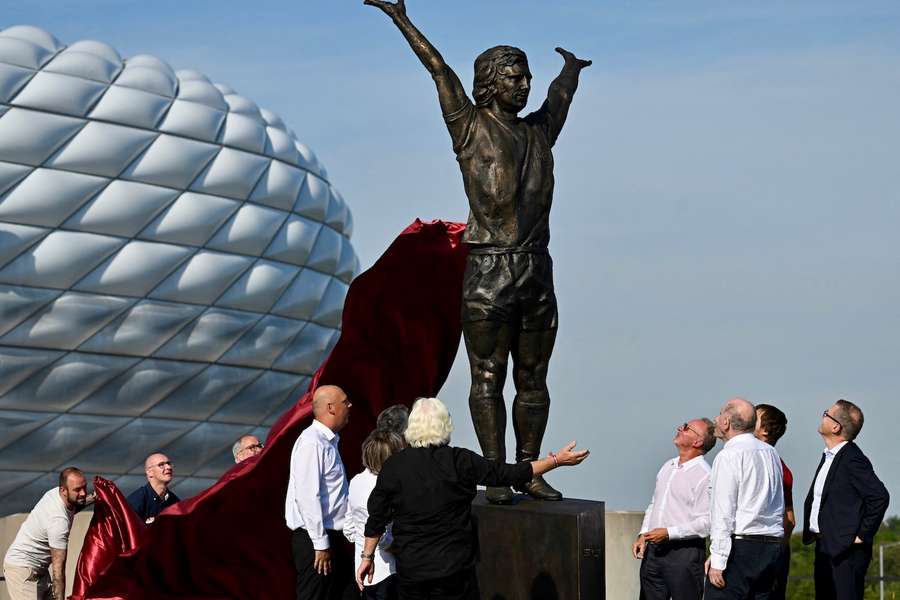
x=386, y=589
x=782, y=570
x=750, y=573
x=842, y=577
x=459, y=586
x=339, y=584
x=673, y=570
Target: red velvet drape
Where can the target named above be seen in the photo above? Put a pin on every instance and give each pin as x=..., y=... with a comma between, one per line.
x=400, y=334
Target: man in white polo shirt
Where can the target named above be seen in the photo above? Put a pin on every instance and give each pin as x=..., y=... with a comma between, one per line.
x=35, y=564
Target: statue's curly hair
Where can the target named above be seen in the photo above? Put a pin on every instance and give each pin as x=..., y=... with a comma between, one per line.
x=486, y=66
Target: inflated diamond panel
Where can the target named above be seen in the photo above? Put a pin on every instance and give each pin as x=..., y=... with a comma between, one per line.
x=173, y=265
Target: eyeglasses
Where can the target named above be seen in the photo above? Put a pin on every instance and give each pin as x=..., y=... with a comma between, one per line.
x=256, y=446
x=686, y=427
x=160, y=465
x=825, y=414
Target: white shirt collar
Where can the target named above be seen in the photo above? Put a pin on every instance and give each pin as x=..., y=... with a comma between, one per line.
x=687, y=465
x=326, y=431
x=836, y=449
x=738, y=439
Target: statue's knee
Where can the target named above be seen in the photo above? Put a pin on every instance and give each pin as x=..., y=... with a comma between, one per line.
x=538, y=400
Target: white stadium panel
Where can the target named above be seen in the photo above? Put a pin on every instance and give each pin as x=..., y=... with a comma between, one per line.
x=173, y=265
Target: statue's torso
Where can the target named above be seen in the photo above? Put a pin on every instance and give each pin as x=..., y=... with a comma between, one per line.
x=507, y=169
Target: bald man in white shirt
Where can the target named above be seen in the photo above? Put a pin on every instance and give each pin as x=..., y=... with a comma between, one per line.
x=746, y=509
x=672, y=543
x=316, y=503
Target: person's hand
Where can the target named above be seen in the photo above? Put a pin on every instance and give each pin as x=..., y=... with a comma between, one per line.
x=716, y=577
x=569, y=456
x=858, y=540
x=322, y=562
x=392, y=9
x=637, y=548
x=706, y=565
x=657, y=536
x=568, y=56
x=366, y=567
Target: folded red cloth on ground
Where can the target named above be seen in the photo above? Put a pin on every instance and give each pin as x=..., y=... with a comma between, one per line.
x=400, y=333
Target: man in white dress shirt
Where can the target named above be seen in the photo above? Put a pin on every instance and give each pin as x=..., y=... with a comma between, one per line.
x=746, y=510
x=316, y=502
x=676, y=524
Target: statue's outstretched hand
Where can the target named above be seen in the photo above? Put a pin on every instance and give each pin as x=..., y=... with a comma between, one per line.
x=568, y=56
x=392, y=9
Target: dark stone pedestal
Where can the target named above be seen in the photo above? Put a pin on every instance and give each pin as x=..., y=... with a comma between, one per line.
x=541, y=550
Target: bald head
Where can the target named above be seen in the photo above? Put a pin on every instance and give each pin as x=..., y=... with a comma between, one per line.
x=331, y=407
x=737, y=416
x=325, y=395
x=154, y=459
x=159, y=471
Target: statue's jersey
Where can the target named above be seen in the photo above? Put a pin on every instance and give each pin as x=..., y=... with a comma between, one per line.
x=507, y=169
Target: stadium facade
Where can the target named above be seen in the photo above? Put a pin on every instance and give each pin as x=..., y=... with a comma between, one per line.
x=173, y=265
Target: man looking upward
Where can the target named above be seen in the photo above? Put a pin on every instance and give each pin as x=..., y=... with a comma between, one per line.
x=746, y=509
x=844, y=507
x=509, y=304
x=771, y=423
x=150, y=499
x=672, y=539
x=316, y=503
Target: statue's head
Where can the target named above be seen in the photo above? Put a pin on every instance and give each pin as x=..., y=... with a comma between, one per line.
x=502, y=74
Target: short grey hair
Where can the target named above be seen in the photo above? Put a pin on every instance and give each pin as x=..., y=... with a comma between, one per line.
x=429, y=424
x=739, y=422
x=709, y=437
x=850, y=416
x=236, y=448
x=393, y=419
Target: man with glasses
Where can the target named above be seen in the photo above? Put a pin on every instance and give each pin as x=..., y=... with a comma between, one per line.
x=245, y=447
x=671, y=542
x=150, y=499
x=844, y=507
x=316, y=504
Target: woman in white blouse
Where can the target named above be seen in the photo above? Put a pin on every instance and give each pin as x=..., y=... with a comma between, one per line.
x=375, y=451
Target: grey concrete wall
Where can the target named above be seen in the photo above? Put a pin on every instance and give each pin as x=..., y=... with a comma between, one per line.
x=621, y=568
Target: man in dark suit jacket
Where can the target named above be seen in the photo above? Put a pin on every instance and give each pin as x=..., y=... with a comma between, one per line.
x=844, y=507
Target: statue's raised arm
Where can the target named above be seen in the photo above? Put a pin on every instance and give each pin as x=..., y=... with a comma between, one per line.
x=451, y=93
x=562, y=89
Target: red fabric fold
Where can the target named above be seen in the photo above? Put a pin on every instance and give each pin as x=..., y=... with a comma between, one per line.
x=400, y=334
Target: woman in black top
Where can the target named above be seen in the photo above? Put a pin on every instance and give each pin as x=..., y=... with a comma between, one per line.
x=427, y=491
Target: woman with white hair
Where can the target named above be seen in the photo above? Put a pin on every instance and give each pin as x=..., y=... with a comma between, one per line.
x=427, y=491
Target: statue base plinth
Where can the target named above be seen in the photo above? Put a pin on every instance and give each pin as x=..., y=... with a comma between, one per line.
x=533, y=550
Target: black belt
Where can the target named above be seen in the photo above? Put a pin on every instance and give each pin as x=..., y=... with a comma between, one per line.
x=681, y=543
x=765, y=539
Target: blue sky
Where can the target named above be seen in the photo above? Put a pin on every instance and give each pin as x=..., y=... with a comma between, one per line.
x=726, y=205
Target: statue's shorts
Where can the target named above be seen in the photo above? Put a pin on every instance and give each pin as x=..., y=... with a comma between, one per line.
x=511, y=285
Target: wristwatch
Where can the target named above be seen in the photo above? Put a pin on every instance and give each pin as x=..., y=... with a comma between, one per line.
x=365, y=556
